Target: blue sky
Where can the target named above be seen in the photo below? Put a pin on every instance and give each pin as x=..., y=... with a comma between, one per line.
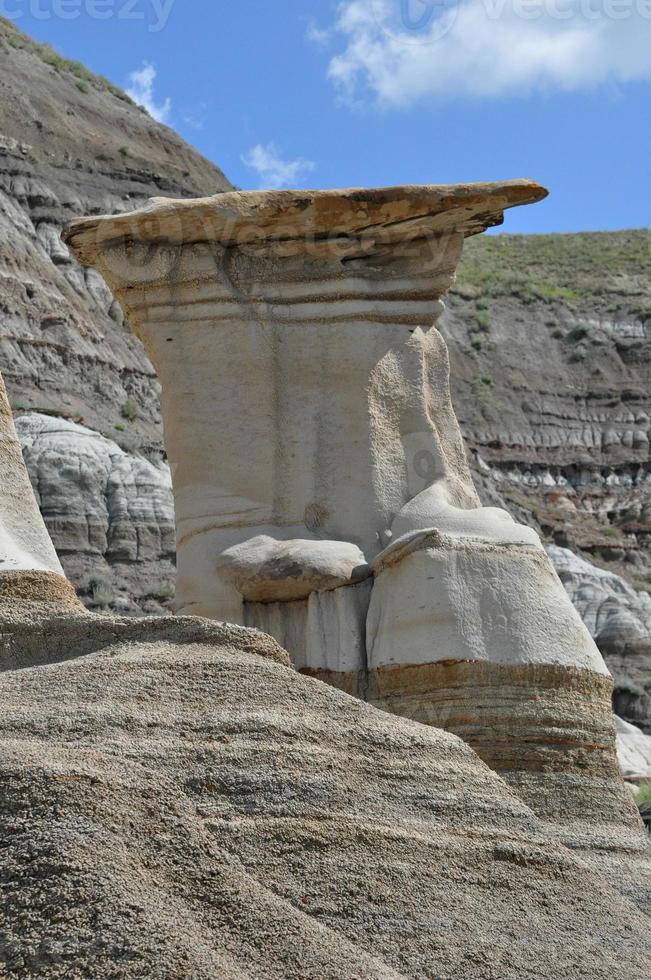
x=328, y=93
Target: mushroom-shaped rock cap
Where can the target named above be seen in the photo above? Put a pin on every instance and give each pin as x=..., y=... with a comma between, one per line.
x=259, y=217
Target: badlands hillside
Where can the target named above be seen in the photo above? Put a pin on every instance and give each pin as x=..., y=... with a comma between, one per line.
x=551, y=362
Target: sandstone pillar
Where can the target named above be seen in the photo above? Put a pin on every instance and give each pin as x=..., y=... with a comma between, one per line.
x=30, y=572
x=321, y=486
x=305, y=393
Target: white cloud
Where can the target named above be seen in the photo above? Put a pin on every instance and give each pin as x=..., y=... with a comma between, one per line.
x=316, y=34
x=398, y=52
x=274, y=172
x=141, y=90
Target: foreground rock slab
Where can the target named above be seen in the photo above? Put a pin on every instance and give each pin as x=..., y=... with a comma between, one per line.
x=182, y=802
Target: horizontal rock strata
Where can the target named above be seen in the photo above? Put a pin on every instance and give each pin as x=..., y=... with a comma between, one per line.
x=73, y=144
x=549, y=731
x=318, y=300
x=204, y=810
x=110, y=514
x=619, y=618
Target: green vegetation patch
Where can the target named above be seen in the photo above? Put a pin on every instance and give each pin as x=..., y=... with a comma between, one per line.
x=568, y=268
x=129, y=410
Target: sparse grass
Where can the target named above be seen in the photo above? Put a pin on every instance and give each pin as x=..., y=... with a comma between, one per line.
x=611, y=532
x=19, y=41
x=83, y=86
x=558, y=269
x=101, y=591
x=644, y=795
x=165, y=591
x=129, y=410
x=124, y=150
x=480, y=322
x=580, y=332
x=119, y=428
x=577, y=356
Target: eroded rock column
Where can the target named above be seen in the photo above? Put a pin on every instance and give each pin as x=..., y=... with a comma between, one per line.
x=305, y=391
x=321, y=486
x=30, y=571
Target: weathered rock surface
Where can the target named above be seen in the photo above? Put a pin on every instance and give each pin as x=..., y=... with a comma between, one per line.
x=24, y=542
x=339, y=425
x=633, y=751
x=569, y=457
x=619, y=618
x=550, y=347
x=178, y=801
x=263, y=569
x=72, y=144
x=344, y=433
x=109, y=513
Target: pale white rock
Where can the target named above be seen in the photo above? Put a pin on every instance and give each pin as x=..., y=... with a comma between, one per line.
x=608, y=605
x=305, y=390
x=633, y=751
x=431, y=509
x=266, y=570
x=440, y=597
x=110, y=513
x=24, y=542
x=306, y=398
x=324, y=634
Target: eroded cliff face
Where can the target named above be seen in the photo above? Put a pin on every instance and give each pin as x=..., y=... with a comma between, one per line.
x=109, y=513
x=550, y=343
x=72, y=144
x=550, y=347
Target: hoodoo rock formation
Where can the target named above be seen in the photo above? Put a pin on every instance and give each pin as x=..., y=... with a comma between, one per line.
x=305, y=394
x=29, y=567
x=178, y=801
x=321, y=486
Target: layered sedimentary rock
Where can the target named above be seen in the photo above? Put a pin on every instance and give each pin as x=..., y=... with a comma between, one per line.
x=29, y=567
x=71, y=144
x=549, y=340
x=318, y=302
x=548, y=334
x=109, y=513
x=619, y=618
x=321, y=485
x=199, y=809
x=177, y=800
